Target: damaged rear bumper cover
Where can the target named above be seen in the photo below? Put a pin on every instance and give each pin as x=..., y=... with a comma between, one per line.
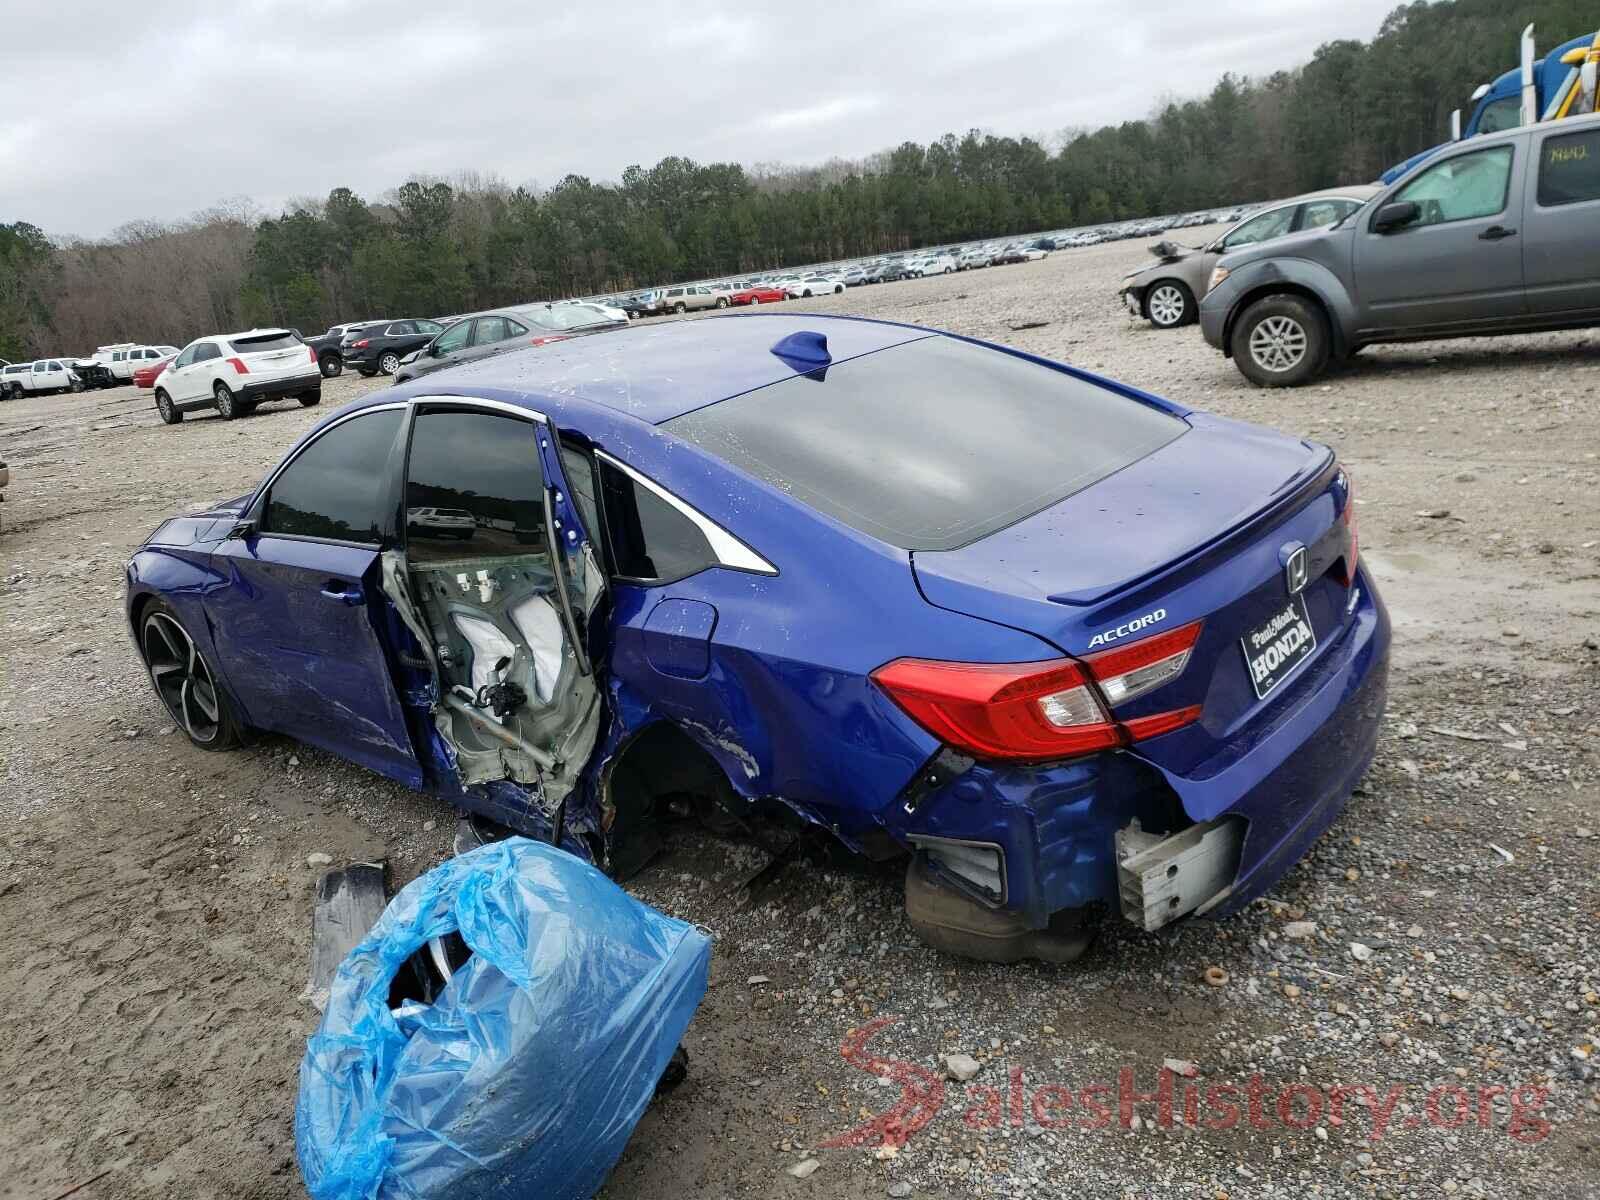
x=1031, y=841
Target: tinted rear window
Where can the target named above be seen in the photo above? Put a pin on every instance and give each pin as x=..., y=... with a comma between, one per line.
x=933, y=444
x=263, y=341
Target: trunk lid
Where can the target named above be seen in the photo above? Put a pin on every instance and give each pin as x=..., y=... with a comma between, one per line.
x=1199, y=530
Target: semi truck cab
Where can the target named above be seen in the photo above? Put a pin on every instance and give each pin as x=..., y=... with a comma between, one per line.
x=1539, y=89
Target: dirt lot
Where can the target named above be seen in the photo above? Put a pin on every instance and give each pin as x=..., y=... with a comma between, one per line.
x=154, y=900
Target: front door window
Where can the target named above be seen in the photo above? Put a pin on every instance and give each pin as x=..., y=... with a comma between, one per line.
x=1463, y=188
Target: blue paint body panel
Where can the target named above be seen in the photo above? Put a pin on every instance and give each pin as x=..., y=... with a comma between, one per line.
x=770, y=673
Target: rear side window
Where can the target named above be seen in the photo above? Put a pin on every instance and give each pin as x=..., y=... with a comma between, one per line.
x=263, y=341
x=473, y=488
x=491, y=330
x=1569, y=169
x=206, y=351
x=651, y=541
x=333, y=488
x=400, y=329
x=932, y=444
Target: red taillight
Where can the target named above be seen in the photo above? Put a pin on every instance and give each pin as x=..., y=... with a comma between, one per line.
x=1347, y=518
x=1035, y=711
x=361, y=345
x=238, y=365
x=312, y=350
x=1128, y=672
x=1030, y=710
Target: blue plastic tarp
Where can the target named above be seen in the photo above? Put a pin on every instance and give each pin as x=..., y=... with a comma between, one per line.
x=528, y=1073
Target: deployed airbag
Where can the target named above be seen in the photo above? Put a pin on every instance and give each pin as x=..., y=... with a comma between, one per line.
x=529, y=1071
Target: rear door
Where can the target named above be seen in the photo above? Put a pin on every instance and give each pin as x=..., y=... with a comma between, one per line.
x=297, y=625
x=508, y=609
x=1460, y=263
x=1561, y=246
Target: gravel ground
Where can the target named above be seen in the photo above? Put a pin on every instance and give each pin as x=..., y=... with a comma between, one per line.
x=154, y=900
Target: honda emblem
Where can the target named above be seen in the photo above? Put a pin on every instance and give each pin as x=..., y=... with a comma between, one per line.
x=1295, y=569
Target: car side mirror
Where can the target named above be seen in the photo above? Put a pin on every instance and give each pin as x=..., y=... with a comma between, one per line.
x=242, y=529
x=1396, y=216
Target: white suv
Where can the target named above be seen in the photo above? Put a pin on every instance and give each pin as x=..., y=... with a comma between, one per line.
x=234, y=372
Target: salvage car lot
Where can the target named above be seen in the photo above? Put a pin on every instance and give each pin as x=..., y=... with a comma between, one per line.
x=156, y=900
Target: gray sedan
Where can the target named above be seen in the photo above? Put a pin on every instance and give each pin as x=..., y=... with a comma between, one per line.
x=481, y=335
x=1168, y=294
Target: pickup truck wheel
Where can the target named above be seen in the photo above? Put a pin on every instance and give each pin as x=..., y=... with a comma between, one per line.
x=227, y=406
x=1281, y=341
x=1170, y=304
x=332, y=365
x=388, y=363
x=680, y=307
x=168, y=412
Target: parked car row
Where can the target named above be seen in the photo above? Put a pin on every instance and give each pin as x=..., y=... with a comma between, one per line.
x=1483, y=237
x=107, y=367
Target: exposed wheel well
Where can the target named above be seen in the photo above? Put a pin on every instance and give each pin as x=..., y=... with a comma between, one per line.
x=661, y=762
x=659, y=773
x=1279, y=288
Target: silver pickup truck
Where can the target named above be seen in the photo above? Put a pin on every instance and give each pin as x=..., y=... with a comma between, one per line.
x=1493, y=235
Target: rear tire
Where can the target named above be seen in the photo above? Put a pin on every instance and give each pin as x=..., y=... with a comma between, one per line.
x=168, y=411
x=722, y=302
x=309, y=399
x=1281, y=341
x=680, y=308
x=332, y=365
x=227, y=405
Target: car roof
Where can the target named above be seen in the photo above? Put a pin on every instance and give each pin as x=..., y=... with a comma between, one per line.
x=657, y=372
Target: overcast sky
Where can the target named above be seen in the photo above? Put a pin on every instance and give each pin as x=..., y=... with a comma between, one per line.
x=118, y=110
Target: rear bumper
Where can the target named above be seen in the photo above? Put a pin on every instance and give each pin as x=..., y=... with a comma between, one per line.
x=288, y=385
x=1053, y=827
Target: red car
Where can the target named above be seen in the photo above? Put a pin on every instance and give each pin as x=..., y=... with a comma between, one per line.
x=761, y=293
x=145, y=376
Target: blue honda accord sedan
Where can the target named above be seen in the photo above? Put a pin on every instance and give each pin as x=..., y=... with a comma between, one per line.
x=1064, y=646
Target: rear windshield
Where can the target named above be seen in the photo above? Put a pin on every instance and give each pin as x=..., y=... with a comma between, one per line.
x=263, y=341
x=932, y=444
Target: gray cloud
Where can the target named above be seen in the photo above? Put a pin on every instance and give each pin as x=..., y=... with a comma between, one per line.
x=120, y=111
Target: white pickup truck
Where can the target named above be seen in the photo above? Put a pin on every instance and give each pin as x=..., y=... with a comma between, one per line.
x=124, y=358
x=38, y=378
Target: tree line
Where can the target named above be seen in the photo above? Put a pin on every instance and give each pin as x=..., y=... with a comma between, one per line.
x=434, y=247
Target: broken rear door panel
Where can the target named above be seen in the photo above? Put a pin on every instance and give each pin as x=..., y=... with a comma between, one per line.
x=498, y=601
